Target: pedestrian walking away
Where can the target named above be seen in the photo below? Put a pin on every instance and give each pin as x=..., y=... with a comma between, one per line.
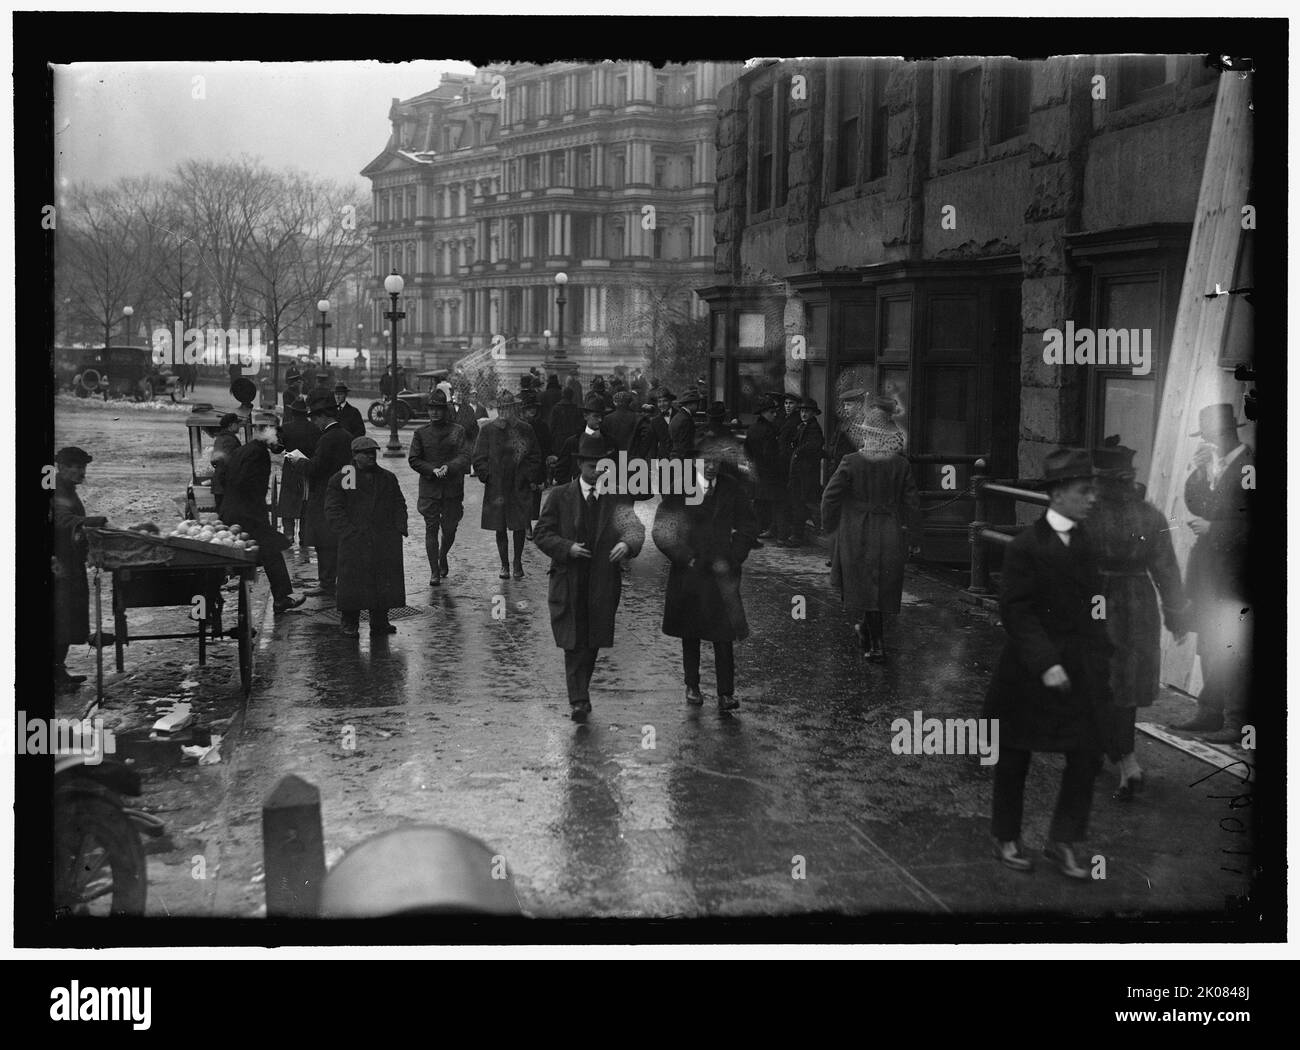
x=586, y=537
x=248, y=477
x=507, y=461
x=872, y=506
x=706, y=545
x=1050, y=687
x=440, y=455
x=367, y=512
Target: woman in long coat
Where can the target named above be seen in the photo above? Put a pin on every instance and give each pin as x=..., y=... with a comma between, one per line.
x=368, y=515
x=871, y=503
x=707, y=544
x=1134, y=550
x=508, y=461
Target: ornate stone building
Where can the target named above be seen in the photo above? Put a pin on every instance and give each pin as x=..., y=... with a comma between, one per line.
x=916, y=227
x=492, y=184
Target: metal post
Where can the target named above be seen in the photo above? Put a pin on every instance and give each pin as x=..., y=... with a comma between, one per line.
x=293, y=849
x=394, y=446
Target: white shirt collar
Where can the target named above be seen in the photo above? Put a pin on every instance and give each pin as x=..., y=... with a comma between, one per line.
x=587, y=490
x=593, y=433
x=1221, y=462
x=1059, y=522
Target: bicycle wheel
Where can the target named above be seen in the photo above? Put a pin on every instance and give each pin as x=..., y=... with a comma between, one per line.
x=99, y=866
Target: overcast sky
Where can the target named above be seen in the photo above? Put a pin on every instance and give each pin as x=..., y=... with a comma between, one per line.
x=137, y=118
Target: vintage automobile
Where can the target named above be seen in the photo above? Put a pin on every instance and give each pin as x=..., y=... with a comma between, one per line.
x=114, y=371
x=411, y=404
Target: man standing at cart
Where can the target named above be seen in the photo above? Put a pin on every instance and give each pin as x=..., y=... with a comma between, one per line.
x=71, y=592
x=333, y=453
x=248, y=474
x=224, y=446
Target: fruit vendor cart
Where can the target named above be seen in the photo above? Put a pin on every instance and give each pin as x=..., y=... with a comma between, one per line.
x=155, y=571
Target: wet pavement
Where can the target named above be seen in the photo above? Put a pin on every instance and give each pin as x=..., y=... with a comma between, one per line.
x=794, y=804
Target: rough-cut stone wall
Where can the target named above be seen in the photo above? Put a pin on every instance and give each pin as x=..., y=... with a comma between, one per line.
x=804, y=171
x=731, y=170
x=908, y=96
x=1051, y=396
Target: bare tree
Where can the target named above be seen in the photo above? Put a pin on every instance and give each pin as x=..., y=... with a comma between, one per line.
x=101, y=256
x=660, y=317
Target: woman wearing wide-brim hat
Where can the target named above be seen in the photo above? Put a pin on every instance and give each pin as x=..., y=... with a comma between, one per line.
x=872, y=505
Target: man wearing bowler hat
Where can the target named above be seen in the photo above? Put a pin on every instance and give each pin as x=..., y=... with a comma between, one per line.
x=367, y=512
x=1220, y=492
x=71, y=591
x=349, y=415
x=1050, y=689
x=333, y=452
x=586, y=536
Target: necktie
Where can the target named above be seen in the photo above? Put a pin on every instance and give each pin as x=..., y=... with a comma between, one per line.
x=591, y=519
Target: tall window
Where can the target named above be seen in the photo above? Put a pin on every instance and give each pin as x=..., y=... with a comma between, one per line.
x=657, y=251
x=661, y=91
x=534, y=170
x=690, y=171
x=620, y=90
x=847, y=124
x=584, y=91
x=661, y=169
x=558, y=173
x=530, y=101
x=964, y=110
x=688, y=90
x=763, y=152
x=618, y=170
x=584, y=168
x=688, y=242
x=1013, y=99
x=878, y=158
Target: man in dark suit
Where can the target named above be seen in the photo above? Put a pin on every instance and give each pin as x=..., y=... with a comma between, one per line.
x=440, y=455
x=248, y=475
x=661, y=439
x=68, y=520
x=297, y=435
x=767, y=477
x=586, y=536
x=621, y=424
x=681, y=426
x=1220, y=492
x=349, y=415
x=805, y=491
x=333, y=452
x=593, y=414
x=1049, y=691
x=224, y=445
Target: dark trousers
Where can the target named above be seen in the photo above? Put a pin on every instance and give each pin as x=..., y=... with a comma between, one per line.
x=286, y=526
x=277, y=575
x=327, y=563
x=763, y=512
x=444, y=514
x=1121, y=739
x=352, y=618
x=1073, y=803
x=724, y=664
x=60, y=654
x=578, y=667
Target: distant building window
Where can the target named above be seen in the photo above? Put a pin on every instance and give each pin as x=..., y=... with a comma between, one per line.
x=1013, y=99
x=661, y=168
x=620, y=90
x=688, y=242
x=688, y=90
x=584, y=92
x=661, y=91
x=847, y=124
x=618, y=171
x=657, y=251
x=534, y=173
x=690, y=172
x=763, y=152
x=878, y=158
x=964, y=110
x=584, y=169
x=558, y=174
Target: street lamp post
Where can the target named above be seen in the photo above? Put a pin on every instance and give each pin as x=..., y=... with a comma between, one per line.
x=561, y=279
x=546, y=334
x=361, y=328
x=127, y=311
x=324, y=307
x=393, y=285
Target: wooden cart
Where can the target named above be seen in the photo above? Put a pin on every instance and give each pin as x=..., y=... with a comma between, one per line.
x=156, y=571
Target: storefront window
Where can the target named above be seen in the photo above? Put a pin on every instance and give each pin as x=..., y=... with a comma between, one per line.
x=752, y=333
x=1129, y=408
x=752, y=379
x=897, y=327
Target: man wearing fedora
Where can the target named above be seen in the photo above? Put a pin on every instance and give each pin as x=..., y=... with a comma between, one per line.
x=587, y=536
x=349, y=415
x=367, y=512
x=508, y=461
x=1220, y=492
x=440, y=455
x=764, y=455
x=333, y=452
x=681, y=426
x=805, y=482
x=848, y=413
x=593, y=418
x=1050, y=688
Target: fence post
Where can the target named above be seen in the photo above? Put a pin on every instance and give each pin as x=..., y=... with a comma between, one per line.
x=293, y=849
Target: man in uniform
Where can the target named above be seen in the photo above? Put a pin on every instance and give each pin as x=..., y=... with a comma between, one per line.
x=440, y=455
x=349, y=415
x=333, y=452
x=367, y=512
x=586, y=536
x=71, y=591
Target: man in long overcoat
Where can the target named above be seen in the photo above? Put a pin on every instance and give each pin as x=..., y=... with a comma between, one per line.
x=71, y=591
x=681, y=426
x=662, y=441
x=1220, y=492
x=333, y=452
x=873, y=507
x=565, y=466
x=530, y=407
x=248, y=475
x=297, y=435
x=764, y=457
x=586, y=536
x=621, y=424
x=224, y=445
x=1049, y=690
x=349, y=415
x=508, y=461
x=805, y=482
x=440, y=455
x=706, y=544
x=366, y=510
x=462, y=412
x=564, y=422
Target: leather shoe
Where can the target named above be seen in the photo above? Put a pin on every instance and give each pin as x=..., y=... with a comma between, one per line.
x=876, y=654
x=289, y=603
x=434, y=581
x=727, y=703
x=319, y=592
x=579, y=711
x=1203, y=722
x=504, y=574
x=442, y=568
x=1062, y=855
x=350, y=631
x=383, y=628
x=519, y=572
x=693, y=695
x=1008, y=853
x=1229, y=734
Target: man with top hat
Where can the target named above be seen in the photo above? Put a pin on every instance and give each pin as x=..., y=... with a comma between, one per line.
x=764, y=455
x=68, y=519
x=349, y=415
x=706, y=545
x=507, y=460
x=805, y=481
x=333, y=452
x=248, y=476
x=297, y=435
x=1135, y=556
x=681, y=426
x=440, y=455
x=1220, y=493
x=587, y=535
x=1050, y=689
x=367, y=512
